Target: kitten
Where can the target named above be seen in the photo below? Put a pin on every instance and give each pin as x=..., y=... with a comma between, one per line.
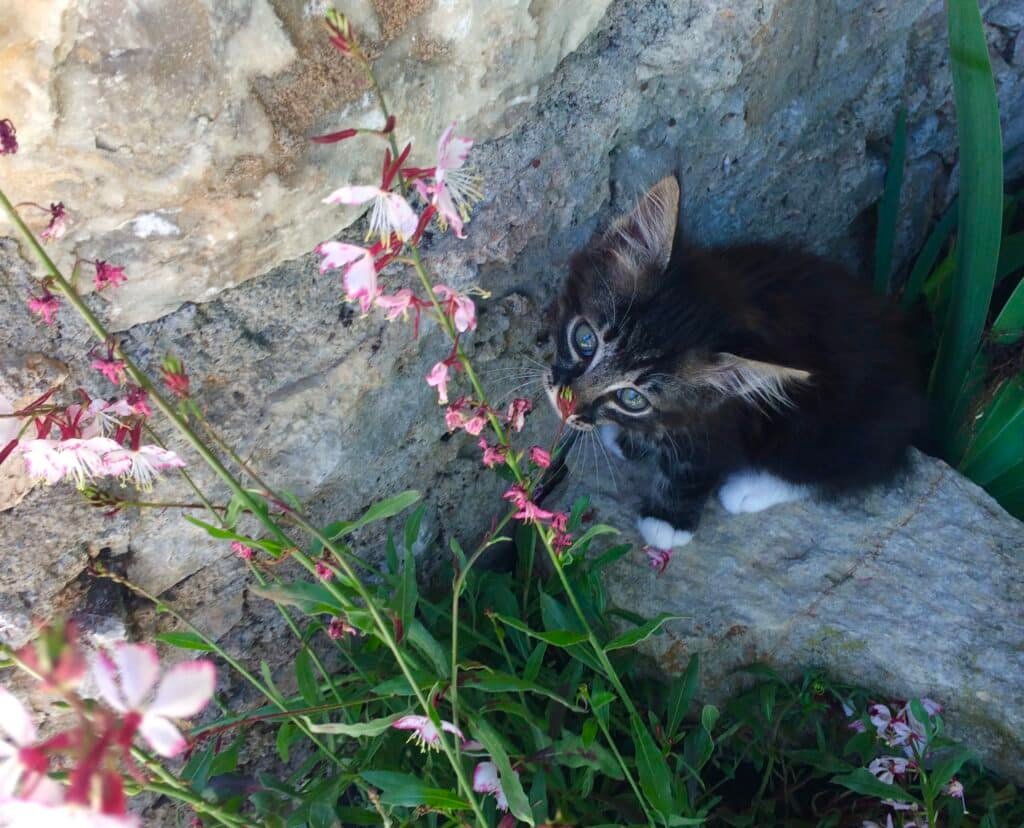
x=764, y=371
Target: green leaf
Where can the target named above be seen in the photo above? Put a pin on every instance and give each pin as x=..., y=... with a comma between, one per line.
x=583, y=541
x=888, y=207
x=655, y=777
x=1008, y=326
x=383, y=509
x=423, y=640
x=408, y=593
x=606, y=559
x=946, y=769
x=998, y=443
x=559, y=638
x=821, y=760
x=864, y=782
x=518, y=804
x=929, y=256
x=403, y=790
x=496, y=682
x=270, y=547
x=412, y=528
x=981, y=205
x=286, y=734
x=576, y=752
x=308, y=687
x=682, y=693
x=185, y=641
x=641, y=633
x=373, y=727
x=311, y=598
x=1011, y=255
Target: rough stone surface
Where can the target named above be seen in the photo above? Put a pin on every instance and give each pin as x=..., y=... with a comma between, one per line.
x=180, y=147
x=914, y=588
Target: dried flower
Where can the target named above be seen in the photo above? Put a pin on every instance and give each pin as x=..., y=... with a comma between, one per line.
x=127, y=676
x=8, y=137
x=173, y=373
x=108, y=275
x=138, y=400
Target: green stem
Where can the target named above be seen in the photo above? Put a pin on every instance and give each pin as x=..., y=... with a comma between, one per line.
x=171, y=787
x=625, y=768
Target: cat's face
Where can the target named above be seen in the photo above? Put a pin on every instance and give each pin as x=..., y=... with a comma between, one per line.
x=630, y=349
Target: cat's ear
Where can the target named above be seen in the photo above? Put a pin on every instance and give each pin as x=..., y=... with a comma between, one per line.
x=761, y=383
x=642, y=240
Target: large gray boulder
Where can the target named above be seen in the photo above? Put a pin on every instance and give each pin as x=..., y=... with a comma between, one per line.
x=915, y=588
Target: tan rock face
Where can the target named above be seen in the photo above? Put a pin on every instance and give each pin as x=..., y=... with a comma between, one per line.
x=177, y=132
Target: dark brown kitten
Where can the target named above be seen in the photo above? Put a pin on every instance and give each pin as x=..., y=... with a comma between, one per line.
x=767, y=372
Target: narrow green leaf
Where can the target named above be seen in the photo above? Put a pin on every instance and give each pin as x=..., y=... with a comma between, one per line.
x=981, y=205
x=559, y=638
x=683, y=690
x=864, y=782
x=1008, y=326
x=606, y=559
x=496, y=682
x=308, y=687
x=184, y=641
x=998, y=443
x=412, y=528
x=423, y=640
x=270, y=547
x=929, y=256
x=403, y=790
x=535, y=661
x=383, y=509
x=1011, y=255
x=888, y=207
x=518, y=804
x=311, y=598
x=641, y=633
x=655, y=777
x=408, y=592
x=285, y=736
x=594, y=531
x=373, y=727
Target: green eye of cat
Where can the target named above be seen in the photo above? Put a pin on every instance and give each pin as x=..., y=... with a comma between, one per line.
x=585, y=340
x=631, y=399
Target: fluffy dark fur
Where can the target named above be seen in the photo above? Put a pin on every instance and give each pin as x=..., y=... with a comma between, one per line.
x=747, y=357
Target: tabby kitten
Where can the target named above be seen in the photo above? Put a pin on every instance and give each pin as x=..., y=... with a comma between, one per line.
x=764, y=371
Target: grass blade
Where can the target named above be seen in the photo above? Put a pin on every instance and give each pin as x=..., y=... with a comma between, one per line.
x=889, y=206
x=1009, y=325
x=929, y=256
x=998, y=444
x=981, y=205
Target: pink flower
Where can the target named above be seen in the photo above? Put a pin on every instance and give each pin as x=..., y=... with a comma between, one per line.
x=19, y=813
x=138, y=400
x=560, y=521
x=390, y=212
x=42, y=460
x=540, y=457
x=126, y=678
x=425, y=732
x=108, y=275
x=438, y=378
x=360, y=277
x=453, y=416
x=45, y=306
x=955, y=788
x=58, y=222
x=887, y=768
x=340, y=628
x=172, y=371
x=531, y=512
x=454, y=190
x=475, y=424
x=242, y=551
x=931, y=707
x=22, y=766
x=323, y=571
x=487, y=781
x=76, y=458
x=658, y=558
x=459, y=307
x=396, y=305
x=140, y=466
x=561, y=541
x=493, y=455
x=8, y=137
x=516, y=494
x=112, y=369
x=517, y=411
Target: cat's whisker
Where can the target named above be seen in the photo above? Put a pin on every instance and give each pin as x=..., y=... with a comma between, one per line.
x=608, y=462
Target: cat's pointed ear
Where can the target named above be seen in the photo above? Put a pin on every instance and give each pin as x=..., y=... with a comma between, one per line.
x=642, y=240
x=760, y=383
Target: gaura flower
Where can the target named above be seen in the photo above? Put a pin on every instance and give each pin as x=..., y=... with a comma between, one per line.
x=138, y=400
x=22, y=767
x=108, y=275
x=438, y=378
x=487, y=781
x=141, y=466
x=658, y=558
x=242, y=551
x=531, y=512
x=45, y=306
x=389, y=214
x=397, y=304
x=540, y=457
x=517, y=411
x=125, y=679
x=475, y=424
x=887, y=768
x=493, y=455
x=323, y=571
x=112, y=369
x=425, y=732
x=19, y=813
x=58, y=225
x=340, y=628
x=459, y=307
x=454, y=190
x=360, y=276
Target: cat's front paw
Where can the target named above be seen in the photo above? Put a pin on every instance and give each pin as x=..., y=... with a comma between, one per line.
x=754, y=491
x=662, y=535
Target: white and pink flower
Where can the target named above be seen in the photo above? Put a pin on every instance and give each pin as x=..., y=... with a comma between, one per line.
x=141, y=466
x=459, y=307
x=486, y=780
x=887, y=768
x=438, y=378
x=659, y=559
x=360, y=276
x=390, y=213
x=22, y=766
x=126, y=679
x=425, y=732
x=454, y=190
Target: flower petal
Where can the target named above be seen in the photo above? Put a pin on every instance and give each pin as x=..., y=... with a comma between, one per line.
x=338, y=254
x=352, y=195
x=184, y=690
x=104, y=673
x=400, y=215
x=360, y=281
x=485, y=778
x=15, y=719
x=138, y=666
x=162, y=735
x=452, y=150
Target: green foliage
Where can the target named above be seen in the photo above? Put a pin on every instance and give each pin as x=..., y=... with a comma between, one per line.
x=976, y=373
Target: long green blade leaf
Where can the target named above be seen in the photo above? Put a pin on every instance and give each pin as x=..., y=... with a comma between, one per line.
x=1009, y=325
x=981, y=205
x=929, y=256
x=888, y=207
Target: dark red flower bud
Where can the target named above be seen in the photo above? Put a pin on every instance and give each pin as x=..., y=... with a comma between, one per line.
x=8, y=138
x=334, y=137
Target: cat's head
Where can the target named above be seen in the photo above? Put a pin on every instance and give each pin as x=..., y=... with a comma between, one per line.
x=638, y=349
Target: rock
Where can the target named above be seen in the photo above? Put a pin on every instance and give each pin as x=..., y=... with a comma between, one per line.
x=913, y=588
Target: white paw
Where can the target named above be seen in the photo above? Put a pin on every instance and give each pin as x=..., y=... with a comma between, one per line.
x=753, y=491
x=662, y=535
x=609, y=433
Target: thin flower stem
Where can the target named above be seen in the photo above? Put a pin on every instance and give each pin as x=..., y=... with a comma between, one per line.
x=170, y=786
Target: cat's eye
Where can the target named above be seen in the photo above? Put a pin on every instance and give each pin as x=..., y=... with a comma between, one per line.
x=584, y=339
x=631, y=399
